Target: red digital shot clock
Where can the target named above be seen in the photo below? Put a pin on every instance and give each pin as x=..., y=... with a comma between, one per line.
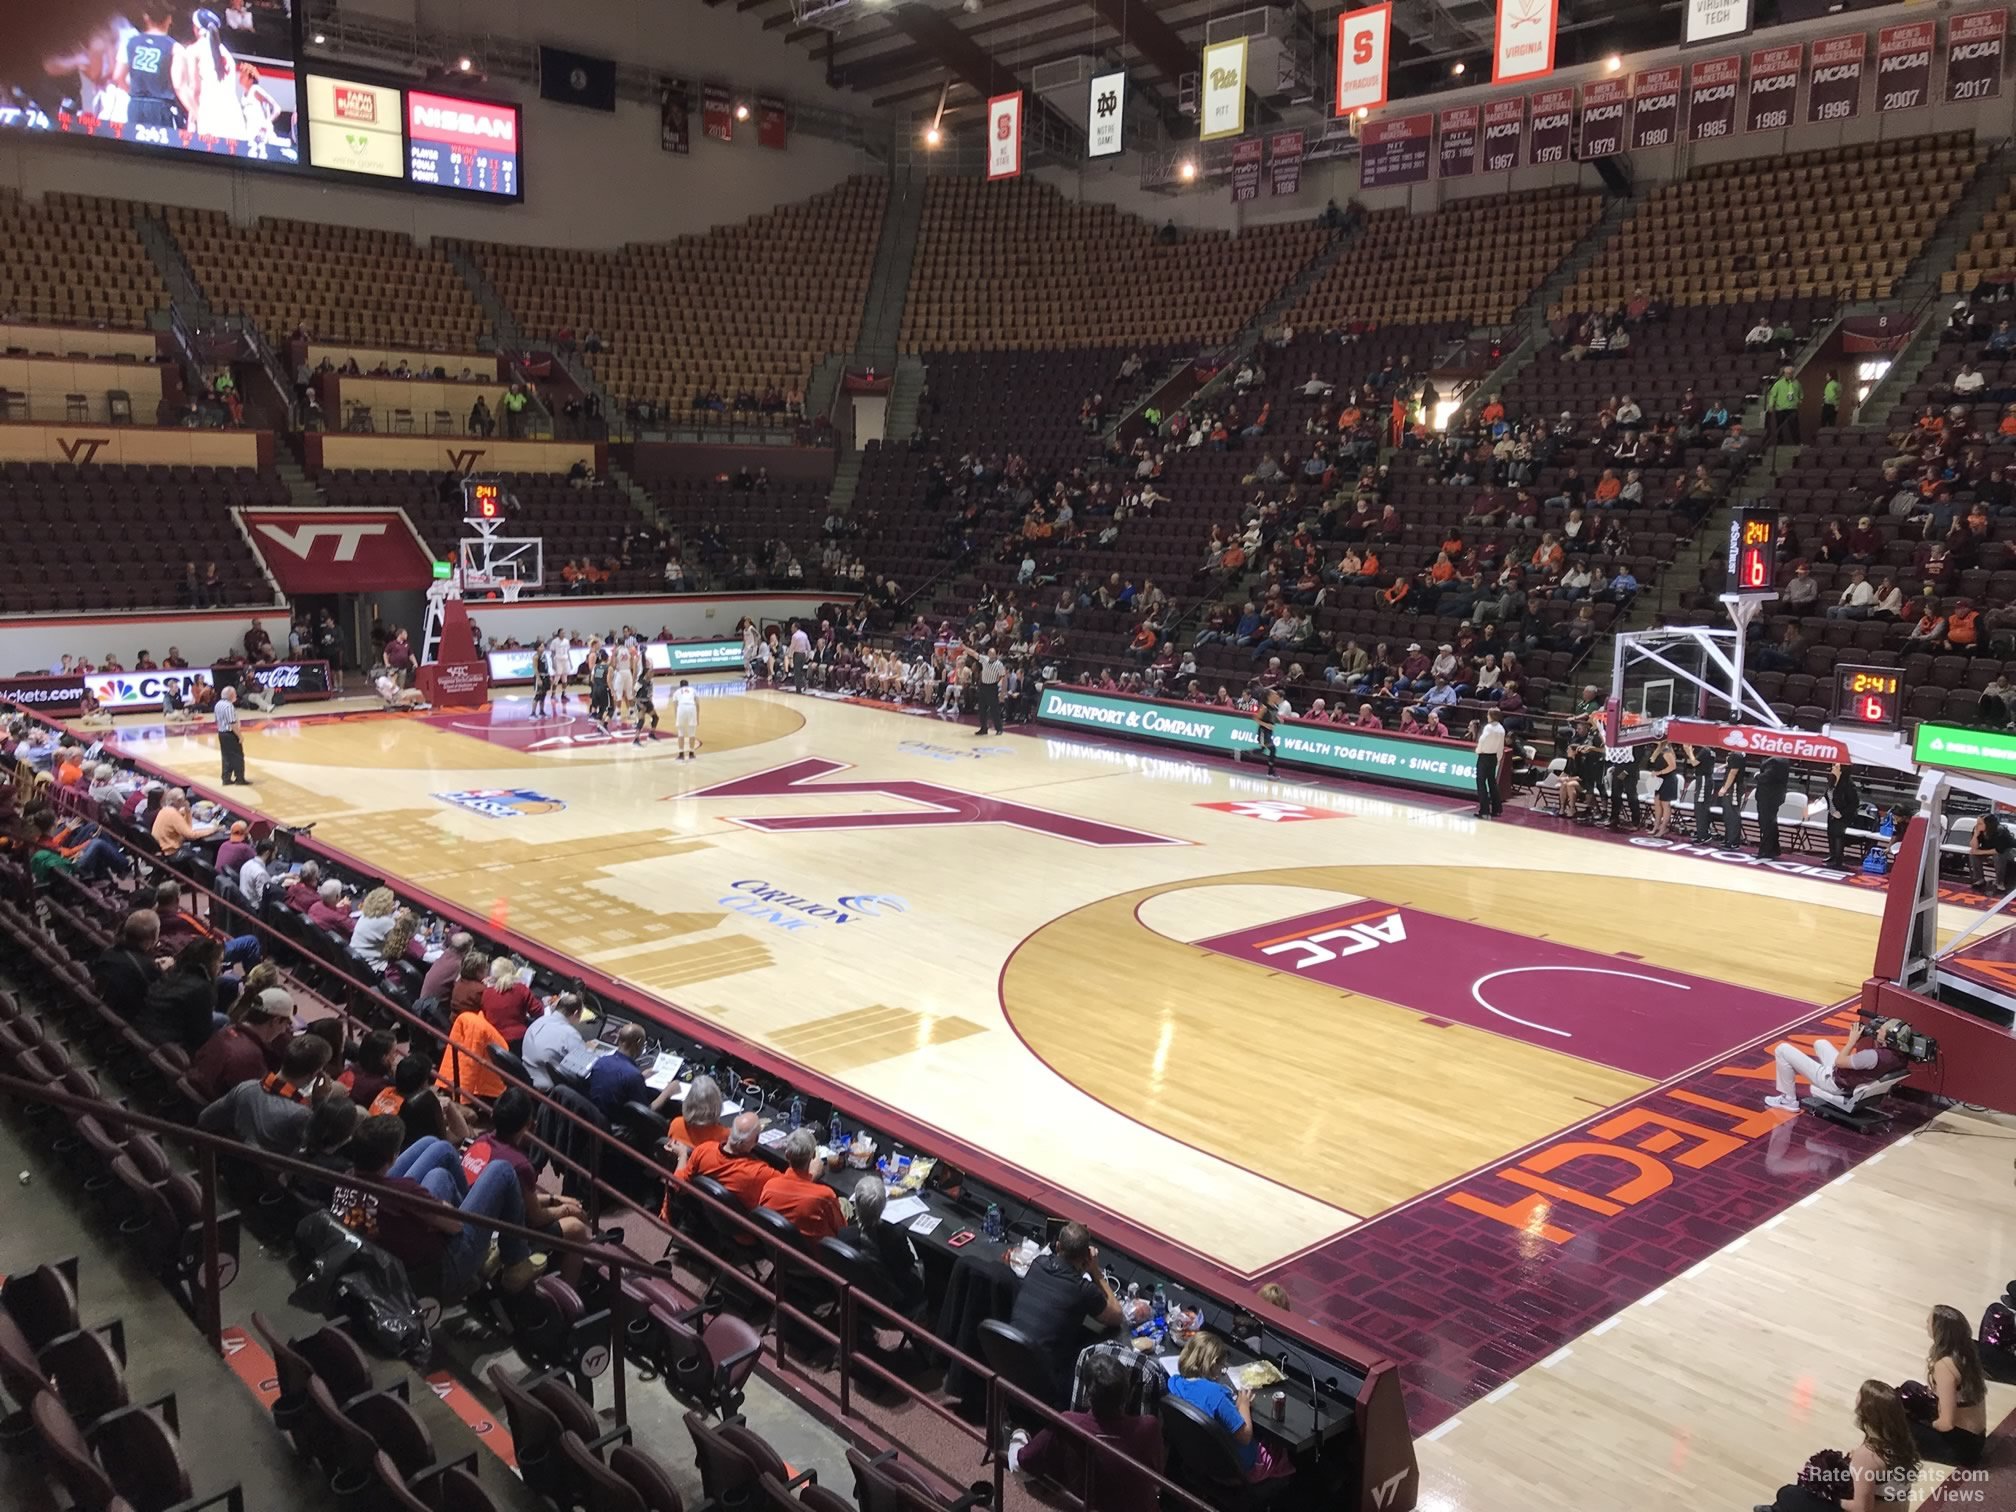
x=1869, y=696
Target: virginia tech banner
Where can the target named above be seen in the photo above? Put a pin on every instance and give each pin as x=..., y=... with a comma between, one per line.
x=1834, y=89
x=1604, y=102
x=1655, y=108
x=339, y=550
x=1774, y=87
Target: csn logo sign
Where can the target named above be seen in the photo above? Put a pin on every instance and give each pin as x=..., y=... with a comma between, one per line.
x=780, y=908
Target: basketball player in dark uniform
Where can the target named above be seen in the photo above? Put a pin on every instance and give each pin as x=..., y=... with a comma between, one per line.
x=146, y=72
x=542, y=678
x=1266, y=717
x=646, y=708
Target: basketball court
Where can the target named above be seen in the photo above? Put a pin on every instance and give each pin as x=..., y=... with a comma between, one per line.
x=1416, y=1067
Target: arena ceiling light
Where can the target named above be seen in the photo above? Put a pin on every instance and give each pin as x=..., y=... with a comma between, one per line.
x=1187, y=170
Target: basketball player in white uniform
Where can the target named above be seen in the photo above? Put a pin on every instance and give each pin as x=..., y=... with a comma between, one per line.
x=686, y=720
x=623, y=678
x=561, y=652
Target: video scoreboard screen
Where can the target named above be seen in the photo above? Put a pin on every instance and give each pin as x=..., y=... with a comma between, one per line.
x=455, y=143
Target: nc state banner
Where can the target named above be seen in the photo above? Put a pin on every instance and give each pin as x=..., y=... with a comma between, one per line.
x=1603, y=105
x=1974, y=49
x=1904, y=65
x=1774, y=87
x=1364, y=46
x=1004, y=136
x=1834, y=88
x=1655, y=109
x=1523, y=44
x=1711, y=98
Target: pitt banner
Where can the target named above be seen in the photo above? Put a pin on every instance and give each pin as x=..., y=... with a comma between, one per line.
x=1364, y=46
x=1004, y=136
x=1222, y=99
x=1974, y=48
x=1523, y=46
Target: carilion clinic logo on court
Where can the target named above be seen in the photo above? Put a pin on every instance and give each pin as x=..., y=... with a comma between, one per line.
x=792, y=912
x=503, y=803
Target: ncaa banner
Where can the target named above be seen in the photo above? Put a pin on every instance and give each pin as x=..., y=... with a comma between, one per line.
x=1284, y=163
x=1523, y=44
x=1603, y=105
x=1364, y=47
x=1004, y=136
x=1246, y=157
x=1974, y=48
x=1504, y=125
x=1904, y=65
x=1774, y=87
x=717, y=112
x=1655, y=108
x=1458, y=128
x=1834, y=87
x=1395, y=151
x=1107, y=110
x=1711, y=98
x=1222, y=110
x=1553, y=129
x=1712, y=20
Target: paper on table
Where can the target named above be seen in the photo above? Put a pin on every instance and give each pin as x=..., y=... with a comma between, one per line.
x=903, y=1209
x=926, y=1225
x=662, y=1071
x=1168, y=1363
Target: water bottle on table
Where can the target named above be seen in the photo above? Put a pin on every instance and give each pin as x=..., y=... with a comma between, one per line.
x=836, y=1136
x=797, y=1114
x=992, y=1227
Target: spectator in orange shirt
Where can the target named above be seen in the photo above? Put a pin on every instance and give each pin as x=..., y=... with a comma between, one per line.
x=1492, y=412
x=733, y=1162
x=1368, y=566
x=173, y=828
x=798, y=1194
x=2008, y=426
x=1608, y=487
x=476, y=1038
x=1963, y=627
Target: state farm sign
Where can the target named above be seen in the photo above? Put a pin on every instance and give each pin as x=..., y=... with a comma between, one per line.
x=1757, y=741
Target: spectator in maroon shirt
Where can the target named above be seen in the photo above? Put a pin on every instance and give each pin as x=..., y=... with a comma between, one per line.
x=330, y=910
x=303, y=886
x=1120, y=1436
x=507, y=1003
x=238, y=1052
x=440, y=979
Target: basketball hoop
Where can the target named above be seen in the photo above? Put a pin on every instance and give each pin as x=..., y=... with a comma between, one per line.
x=511, y=587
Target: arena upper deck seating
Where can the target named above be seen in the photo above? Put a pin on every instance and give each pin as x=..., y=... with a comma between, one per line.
x=1016, y=265
x=93, y=537
x=741, y=307
x=1843, y=223
x=345, y=283
x=76, y=260
x=1990, y=254
x=1474, y=261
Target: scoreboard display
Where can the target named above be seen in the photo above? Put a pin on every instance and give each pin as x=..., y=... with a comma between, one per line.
x=1872, y=697
x=456, y=143
x=1753, y=553
x=482, y=499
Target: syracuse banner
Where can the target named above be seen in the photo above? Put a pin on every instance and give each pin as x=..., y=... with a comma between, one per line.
x=1364, y=47
x=1504, y=124
x=1655, y=108
x=1395, y=151
x=1974, y=48
x=1445, y=765
x=1904, y=65
x=1004, y=136
x=1458, y=127
x=339, y=550
x=1552, y=129
x=1221, y=112
x=1711, y=98
x=1603, y=105
x=1835, y=90
x=1523, y=44
x=1774, y=87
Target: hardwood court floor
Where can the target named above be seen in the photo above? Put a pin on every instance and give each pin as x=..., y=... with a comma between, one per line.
x=1712, y=1391
x=1060, y=951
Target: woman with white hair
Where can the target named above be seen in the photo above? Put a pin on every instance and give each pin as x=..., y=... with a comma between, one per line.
x=885, y=1245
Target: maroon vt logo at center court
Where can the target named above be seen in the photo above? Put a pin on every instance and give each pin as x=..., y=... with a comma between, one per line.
x=933, y=806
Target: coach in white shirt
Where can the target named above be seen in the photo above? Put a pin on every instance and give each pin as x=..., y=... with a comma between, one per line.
x=255, y=875
x=1490, y=750
x=801, y=653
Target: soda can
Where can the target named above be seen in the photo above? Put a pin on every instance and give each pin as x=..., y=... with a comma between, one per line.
x=1280, y=1405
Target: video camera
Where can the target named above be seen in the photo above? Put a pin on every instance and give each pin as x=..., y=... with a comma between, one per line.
x=1915, y=1046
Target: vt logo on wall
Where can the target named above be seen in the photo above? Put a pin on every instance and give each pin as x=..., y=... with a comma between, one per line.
x=339, y=550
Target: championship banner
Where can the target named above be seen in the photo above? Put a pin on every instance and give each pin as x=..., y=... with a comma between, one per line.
x=675, y=128
x=773, y=122
x=1523, y=45
x=717, y=113
x=1284, y=163
x=1904, y=65
x=1711, y=98
x=1004, y=136
x=1364, y=47
x=1246, y=156
x=1655, y=108
x=1103, y=133
x=1221, y=110
x=1504, y=124
x=1395, y=151
x=1974, y=47
x=1552, y=132
x=1774, y=87
x=1458, y=128
x=1603, y=105
x=1834, y=89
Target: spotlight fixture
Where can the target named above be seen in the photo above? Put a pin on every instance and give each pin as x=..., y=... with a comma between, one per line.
x=1186, y=170
x=1363, y=112
x=741, y=111
x=1613, y=62
x=465, y=63
x=1458, y=68
x=933, y=136
x=318, y=39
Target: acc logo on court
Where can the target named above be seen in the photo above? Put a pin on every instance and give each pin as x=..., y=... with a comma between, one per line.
x=1271, y=812
x=503, y=803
